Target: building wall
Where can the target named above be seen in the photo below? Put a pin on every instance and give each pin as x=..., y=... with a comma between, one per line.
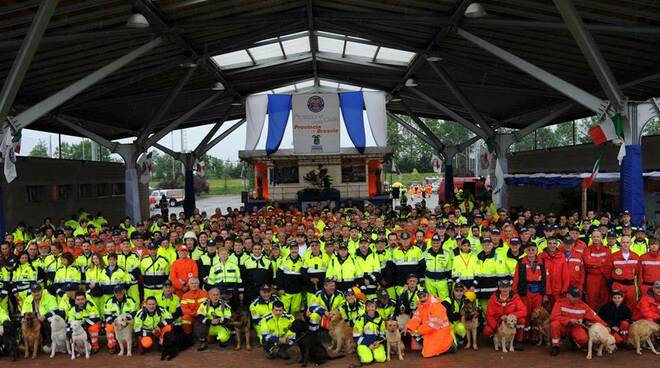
x=59, y=188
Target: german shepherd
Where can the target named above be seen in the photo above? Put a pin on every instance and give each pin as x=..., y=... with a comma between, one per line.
x=31, y=327
x=240, y=321
x=470, y=319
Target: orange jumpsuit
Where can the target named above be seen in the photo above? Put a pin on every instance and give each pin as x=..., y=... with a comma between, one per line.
x=649, y=271
x=624, y=272
x=190, y=302
x=182, y=270
x=598, y=261
x=430, y=320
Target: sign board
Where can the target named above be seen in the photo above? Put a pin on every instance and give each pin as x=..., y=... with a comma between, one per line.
x=315, y=123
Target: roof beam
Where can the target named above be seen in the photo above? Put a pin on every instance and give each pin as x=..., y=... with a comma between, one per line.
x=46, y=105
x=212, y=132
x=591, y=52
x=24, y=57
x=100, y=36
x=173, y=154
x=219, y=138
x=429, y=133
x=552, y=115
x=87, y=133
x=460, y=96
x=451, y=113
x=581, y=96
x=154, y=17
x=445, y=29
x=550, y=26
x=313, y=40
x=415, y=132
x=165, y=106
x=180, y=120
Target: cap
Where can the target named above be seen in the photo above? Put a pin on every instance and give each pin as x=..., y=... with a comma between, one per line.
x=404, y=235
x=478, y=215
x=411, y=276
x=436, y=237
x=116, y=232
x=612, y=233
x=515, y=241
x=153, y=245
x=495, y=231
x=422, y=290
x=574, y=292
x=547, y=227
x=211, y=243
x=265, y=288
x=551, y=214
x=35, y=287
x=43, y=245
x=459, y=285
x=70, y=287
x=189, y=235
x=167, y=283
x=626, y=212
x=504, y=283
x=349, y=291
x=342, y=245
x=119, y=288
x=382, y=293
x=617, y=292
x=486, y=239
x=182, y=248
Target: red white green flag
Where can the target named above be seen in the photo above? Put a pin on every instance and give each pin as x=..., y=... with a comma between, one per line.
x=588, y=181
x=608, y=130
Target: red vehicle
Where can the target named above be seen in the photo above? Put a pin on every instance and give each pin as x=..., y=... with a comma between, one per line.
x=474, y=184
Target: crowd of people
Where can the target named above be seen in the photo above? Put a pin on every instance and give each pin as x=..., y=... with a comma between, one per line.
x=187, y=274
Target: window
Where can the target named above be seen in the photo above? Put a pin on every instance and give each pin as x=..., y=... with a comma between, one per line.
x=36, y=193
x=102, y=190
x=61, y=192
x=284, y=173
x=86, y=191
x=353, y=172
x=118, y=189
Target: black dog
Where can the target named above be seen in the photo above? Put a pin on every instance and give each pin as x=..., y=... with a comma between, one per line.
x=309, y=343
x=171, y=345
x=10, y=339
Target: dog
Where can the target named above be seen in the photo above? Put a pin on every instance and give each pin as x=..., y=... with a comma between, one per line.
x=310, y=345
x=541, y=318
x=393, y=336
x=79, y=343
x=59, y=342
x=640, y=332
x=341, y=333
x=599, y=335
x=505, y=333
x=171, y=345
x=31, y=328
x=240, y=321
x=10, y=339
x=123, y=325
x=470, y=319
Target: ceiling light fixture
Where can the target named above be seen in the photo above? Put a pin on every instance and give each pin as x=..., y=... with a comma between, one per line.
x=218, y=87
x=475, y=10
x=188, y=64
x=433, y=58
x=411, y=82
x=137, y=20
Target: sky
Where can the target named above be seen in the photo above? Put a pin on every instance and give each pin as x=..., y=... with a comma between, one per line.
x=225, y=150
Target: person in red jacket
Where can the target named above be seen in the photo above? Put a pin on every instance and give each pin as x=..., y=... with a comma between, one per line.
x=598, y=260
x=502, y=303
x=649, y=305
x=567, y=320
x=529, y=282
x=649, y=268
x=556, y=267
x=574, y=264
x=182, y=270
x=625, y=267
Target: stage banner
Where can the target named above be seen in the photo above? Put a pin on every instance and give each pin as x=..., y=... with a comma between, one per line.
x=315, y=123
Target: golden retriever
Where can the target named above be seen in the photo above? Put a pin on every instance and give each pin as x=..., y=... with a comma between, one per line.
x=341, y=333
x=642, y=331
x=541, y=319
x=393, y=336
x=505, y=333
x=31, y=327
x=599, y=335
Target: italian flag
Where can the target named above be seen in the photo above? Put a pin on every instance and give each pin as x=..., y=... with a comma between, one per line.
x=587, y=182
x=607, y=130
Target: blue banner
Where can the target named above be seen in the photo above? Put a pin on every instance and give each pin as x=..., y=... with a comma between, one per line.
x=632, y=184
x=352, y=104
x=279, y=108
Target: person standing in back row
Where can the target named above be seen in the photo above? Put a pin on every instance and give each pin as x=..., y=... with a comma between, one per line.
x=163, y=205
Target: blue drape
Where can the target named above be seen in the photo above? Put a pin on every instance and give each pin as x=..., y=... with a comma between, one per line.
x=279, y=108
x=632, y=183
x=449, y=182
x=547, y=182
x=352, y=104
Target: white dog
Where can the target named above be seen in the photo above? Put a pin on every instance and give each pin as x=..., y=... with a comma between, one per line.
x=124, y=333
x=58, y=336
x=79, y=340
x=601, y=337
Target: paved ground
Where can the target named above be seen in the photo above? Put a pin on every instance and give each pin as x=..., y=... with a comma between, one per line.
x=210, y=203
x=531, y=357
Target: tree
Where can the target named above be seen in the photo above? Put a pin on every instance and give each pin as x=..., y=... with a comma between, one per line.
x=40, y=150
x=83, y=151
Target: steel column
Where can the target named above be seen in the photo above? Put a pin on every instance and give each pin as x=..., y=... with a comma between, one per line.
x=581, y=96
x=131, y=180
x=591, y=52
x=46, y=105
x=24, y=57
x=313, y=41
x=188, y=160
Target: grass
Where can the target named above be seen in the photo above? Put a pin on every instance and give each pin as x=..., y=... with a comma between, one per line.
x=235, y=186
